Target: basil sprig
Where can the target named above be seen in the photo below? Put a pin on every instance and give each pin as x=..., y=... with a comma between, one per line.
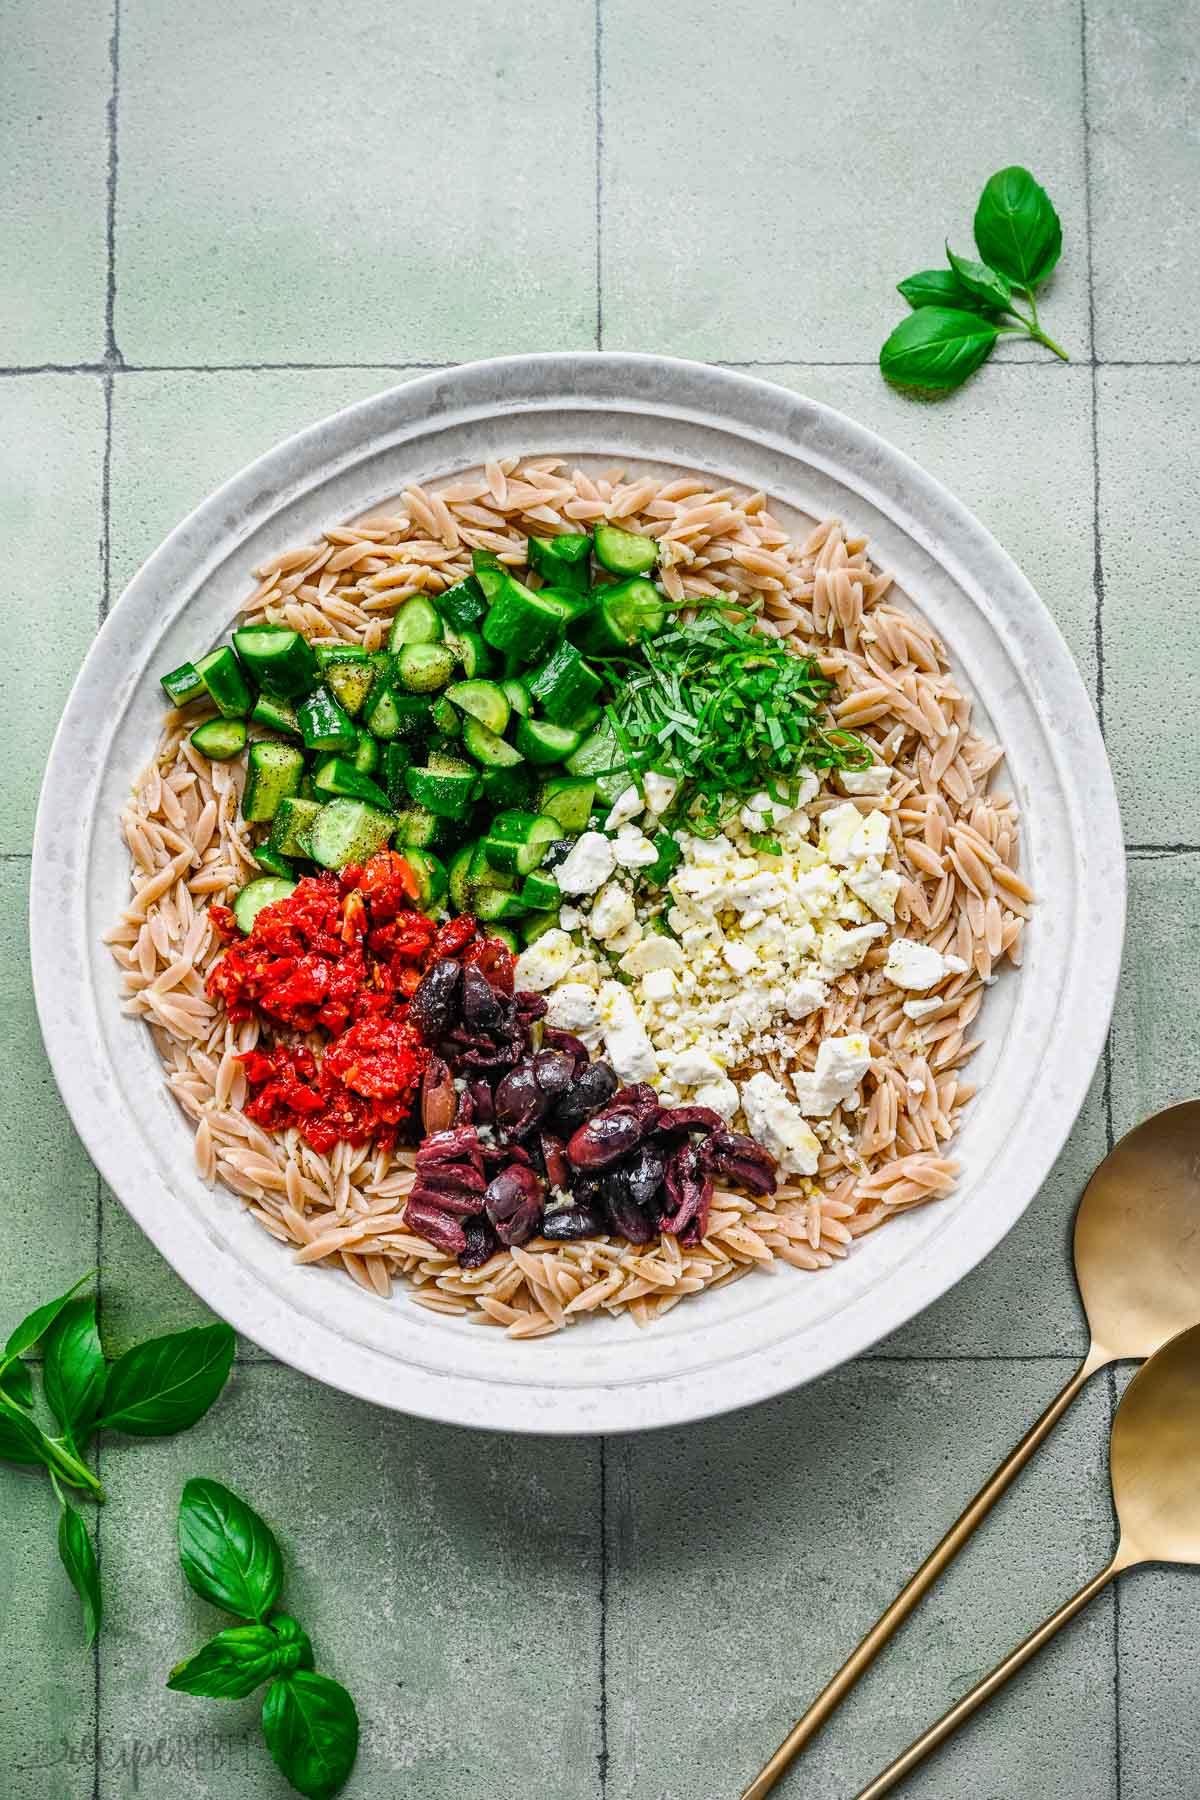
x=959, y=312
x=231, y=1556
x=159, y=1387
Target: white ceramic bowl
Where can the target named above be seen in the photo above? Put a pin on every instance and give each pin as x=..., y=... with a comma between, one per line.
x=1044, y=1027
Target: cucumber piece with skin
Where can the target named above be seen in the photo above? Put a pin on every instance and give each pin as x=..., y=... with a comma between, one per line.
x=367, y=756
x=280, y=660
x=423, y=668
x=290, y=826
x=397, y=715
x=220, y=739
x=275, y=715
x=347, y=831
x=463, y=605
x=541, y=892
x=458, y=878
x=601, y=757
x=324, y=724
x=257, y=894
x=430, y=875
x=493, y=904
x=449, y=762
x=445, y=792
x=227, y=687
x=488, y=748
x=183, y=685
x=533, y=928
x=397, y=757
x=482, y=700
x=624, y=552
x=273, y=774
x=417, y=827
x=350, y=680
x=340, y=779
x=506, y=936
x=543, y=743
x=508, y=787
x=481, y=874
x=623, y=615
x=517, y=695
x=569, y=799
x=332, y=653
x=518, y=841
x=474, y=657
x=417, y=622
x=520, y=620
x=273, y=863
x=561, y=561
x=565, y=686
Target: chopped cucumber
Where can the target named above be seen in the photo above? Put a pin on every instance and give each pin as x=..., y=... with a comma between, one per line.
x=367, y=755
x=281, y=661
x=332, y=653
x=350, y=680
x=418, y=827
x=600, y=756
x=543, y=742
x=446, y=792
x=569, y=799
x=397, y=757
x=431, y=876
x=573, y=603
x=623, y=615
x=517, y=841
x=473, y=654
x=517, y=695
x=273, y=773
x=561, y=561
x=463, y=605
x=443, y=718
x=458, y=878
x=393, y=715
x=448, y=761
x=183, y=685
x=423, y=668
x=257, y=894
x=219, y=739
x=482, y=875
x=324, y=724
x=506, y=936
x=290, y=827
x=348, y=831
x=533, y=928
x=541, y=892
x=625, y=552
x=492, y=904
x=565, y=685
x=507, y=787
x=275, y=715
x=273, y=863
x=483, y=560
x=489, y=748
x=520, y=620
x=222, y=675
x=337, y=778
x=417, y=622
x=482, y=700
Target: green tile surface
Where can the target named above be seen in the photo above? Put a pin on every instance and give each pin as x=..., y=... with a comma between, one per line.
x=350, y=185
x=368, y=186
x=765, y=187
x=53, y=227
x=51, y=474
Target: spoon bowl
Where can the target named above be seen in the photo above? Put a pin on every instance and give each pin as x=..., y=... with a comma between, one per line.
x=1155, y=1457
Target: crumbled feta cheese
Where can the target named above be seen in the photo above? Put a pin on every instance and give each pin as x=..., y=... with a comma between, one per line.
x=658, y=984
x=919, y=966
x=921, y=1009
x=866, y=781
x=571, y=1006
x=626, y=1042
x=660, y=790
x=627, y=805
x=838, y=828
x=876, y=886
x=632, y=849
x=654, y=951
x=842, y=950
x=692, y=1067
x=570, y=918
x=740, y=957
x=587, y=865
x=721, y=1095
x=871, y=838
x=841, y=1064
x=543, y=963
x=612, y=910
x=625, y=939
x=779, y=1126
x=803, y=996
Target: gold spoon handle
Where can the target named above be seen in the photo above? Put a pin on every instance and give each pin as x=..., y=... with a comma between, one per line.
x=831, y=1697
x=930, y=1739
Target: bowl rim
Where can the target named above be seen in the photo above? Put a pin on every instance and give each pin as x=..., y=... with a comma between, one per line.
x=762, y=414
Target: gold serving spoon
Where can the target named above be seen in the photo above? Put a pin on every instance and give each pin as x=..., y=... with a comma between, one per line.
x=1154, y=1459
x=1137, y=1262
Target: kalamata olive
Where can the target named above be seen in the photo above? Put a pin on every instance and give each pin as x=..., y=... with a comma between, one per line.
x=644, y=1172
x=481, y=1005
x=554, y=1156
x=451, y=1178
x=568, y=1222
x=689, y=1189
x=570, y=1045
x=459, y=1145
x=433, y=1009
x=439, y=1096
x=553, y=1072
x=481, y=1243
x=448, y=1199
x=741, y=1160
x=557, y=852
x=689, y=1118
x=482, y=1105
x=624, y=1216
x=520, y=1102
x=603, y=1139
x=436, y=1226
x=514, y=1204
x=594, y=1088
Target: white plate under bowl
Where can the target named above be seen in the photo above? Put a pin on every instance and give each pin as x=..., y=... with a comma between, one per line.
x=1044, y=1026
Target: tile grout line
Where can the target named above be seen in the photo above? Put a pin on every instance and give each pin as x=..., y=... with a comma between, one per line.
x=602, y=1753
x=116, y=364
x=112, y=355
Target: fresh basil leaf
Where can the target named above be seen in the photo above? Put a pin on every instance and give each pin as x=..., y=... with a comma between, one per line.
x=229, y=1554
x=311, y=1727
x=74, y=1371
x=21, y=1441
x=231, y=1665
x=17, y=1383
x=986, y=284
x=937, y=348
x=165, y=1385
x=35, y=1324
x=79, y=1560
x=295, y=1650
x=941, y=287
x=1016, y=228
